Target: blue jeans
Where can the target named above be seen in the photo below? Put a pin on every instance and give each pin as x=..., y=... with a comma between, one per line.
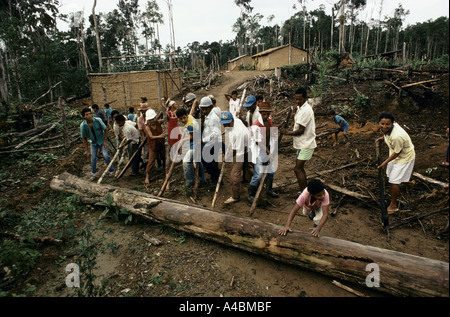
x=189, y=169
x=94, y=150
x=258, y=170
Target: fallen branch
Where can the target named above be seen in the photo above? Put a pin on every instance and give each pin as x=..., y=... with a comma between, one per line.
x=46, y=239
x=346, y=191
x=348, y=289
x=36, y=136
x=415, y=218
x=420, y=82
x=430, y=180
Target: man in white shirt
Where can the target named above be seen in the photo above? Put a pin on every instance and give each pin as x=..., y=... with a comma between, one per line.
x=251, y=104
x=234, y=103
x=264, y=150
x=211, y=141
x=304, y=134
x=237, y=137
x=132, y=138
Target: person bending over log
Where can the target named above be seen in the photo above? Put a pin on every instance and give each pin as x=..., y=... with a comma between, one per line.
x=400, y=163
x=97, y=132
x=304, y=135
x=314, y=202
x=238, y=139
x=155, y=139
x=132, y=140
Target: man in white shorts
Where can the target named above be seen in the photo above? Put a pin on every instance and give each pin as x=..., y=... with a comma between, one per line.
x=400, y=163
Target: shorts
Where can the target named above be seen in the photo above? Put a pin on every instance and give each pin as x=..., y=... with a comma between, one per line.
x=304, y=154
x=316, y=217
x=399, y=172
x=344, y=129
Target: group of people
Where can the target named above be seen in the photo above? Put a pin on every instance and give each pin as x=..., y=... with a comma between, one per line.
x=249, y=143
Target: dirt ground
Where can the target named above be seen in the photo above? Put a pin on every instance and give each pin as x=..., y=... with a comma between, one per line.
x=185, y=266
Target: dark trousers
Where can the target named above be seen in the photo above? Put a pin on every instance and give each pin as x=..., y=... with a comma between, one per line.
x=136, y=159
x=212, y=167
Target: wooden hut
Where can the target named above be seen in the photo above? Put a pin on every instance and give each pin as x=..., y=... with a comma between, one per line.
x=125, y=89
x=243, y=61
x=279, y=56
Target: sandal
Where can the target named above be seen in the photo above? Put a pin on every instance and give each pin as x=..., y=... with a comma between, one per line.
x=392, y=211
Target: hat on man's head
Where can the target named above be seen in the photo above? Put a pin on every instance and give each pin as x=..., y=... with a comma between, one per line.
x=249, y=101
x=189, y=97
x=143, y=107
x=205, y=102
x=149, y=115
x=226, y=117
x=265, y=107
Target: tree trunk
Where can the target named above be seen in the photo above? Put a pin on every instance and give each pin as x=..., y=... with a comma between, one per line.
x=400, y=274
x=97, y=36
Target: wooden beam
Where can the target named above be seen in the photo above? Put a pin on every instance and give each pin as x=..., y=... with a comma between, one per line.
x=400, y=274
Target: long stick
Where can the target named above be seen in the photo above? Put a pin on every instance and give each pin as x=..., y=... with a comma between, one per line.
x=131, y=158
x=111, y=163
x=255, y=200
x=222, y=169
x=384, y=214
x=415, y=218
x=169, y=173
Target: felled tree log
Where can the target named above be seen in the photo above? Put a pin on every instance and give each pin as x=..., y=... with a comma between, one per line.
x=400, y=274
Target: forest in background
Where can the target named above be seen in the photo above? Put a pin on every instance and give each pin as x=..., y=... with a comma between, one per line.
x=39, y=62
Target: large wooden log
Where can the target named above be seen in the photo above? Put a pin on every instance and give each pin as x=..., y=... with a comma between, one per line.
x=400, y=274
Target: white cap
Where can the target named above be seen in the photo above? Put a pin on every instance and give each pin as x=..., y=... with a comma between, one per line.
x=205, y=102
x=149, y=115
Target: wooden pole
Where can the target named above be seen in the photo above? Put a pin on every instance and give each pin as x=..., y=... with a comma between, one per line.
x=400, y=274
x=169, y=173
x=384, y=214
x=131, y=158
x=111, y=163
x=258, y=192
x=222, y=169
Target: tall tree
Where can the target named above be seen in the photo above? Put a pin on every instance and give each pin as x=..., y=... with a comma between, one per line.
x=97, y=37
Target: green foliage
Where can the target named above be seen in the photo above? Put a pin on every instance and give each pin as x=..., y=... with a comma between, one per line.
x=53, y=215
x=441, y=62
x=342, y=110
x=18, y=257
x=295, y=71
x=361, y=100
x=88, y=247
x=110, y=205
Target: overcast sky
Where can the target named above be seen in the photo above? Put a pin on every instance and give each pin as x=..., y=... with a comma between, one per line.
x=212, y=20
